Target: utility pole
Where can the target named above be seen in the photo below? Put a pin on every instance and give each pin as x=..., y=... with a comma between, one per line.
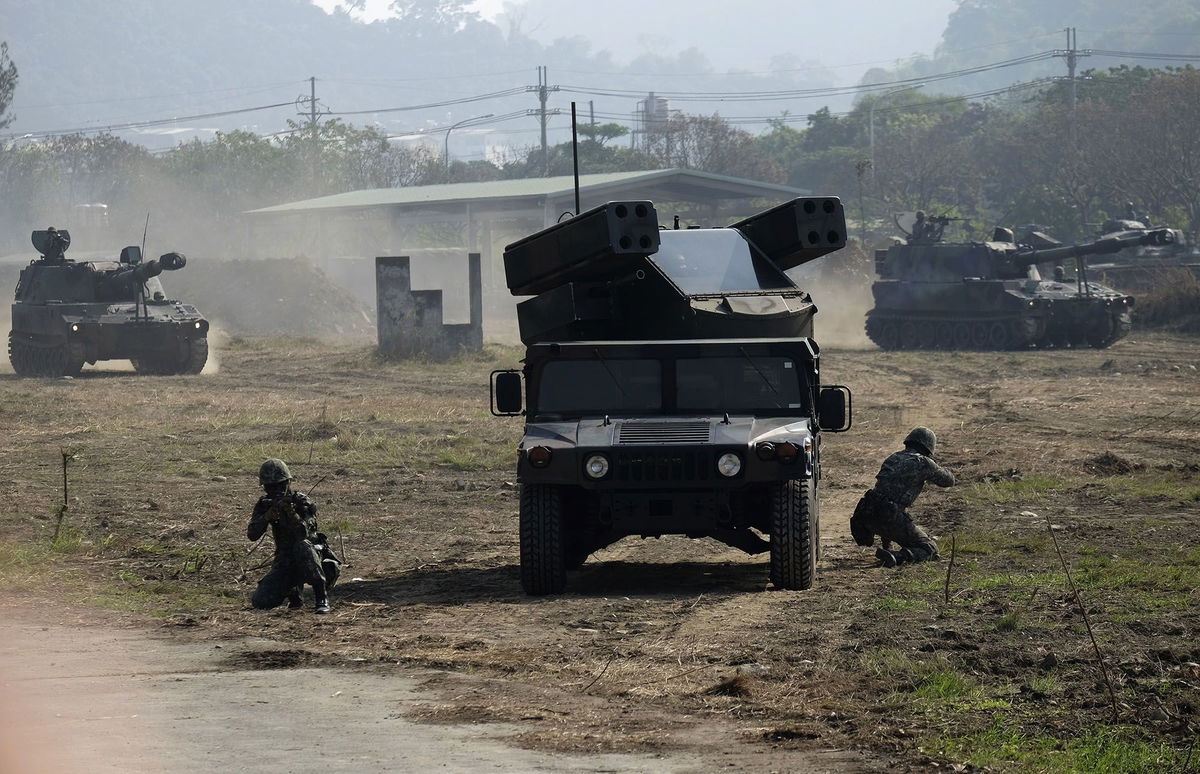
x=1072, y=54
x=543, y=95
x=314, y=138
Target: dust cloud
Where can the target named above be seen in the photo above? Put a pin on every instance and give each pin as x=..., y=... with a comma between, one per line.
x=840, y=286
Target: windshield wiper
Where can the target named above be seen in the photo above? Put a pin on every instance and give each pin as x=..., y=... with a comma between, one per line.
x=611, y=375
x=763, y=376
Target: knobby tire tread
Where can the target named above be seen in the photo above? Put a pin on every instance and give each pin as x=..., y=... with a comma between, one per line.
x=793, y=542
x=543, y=561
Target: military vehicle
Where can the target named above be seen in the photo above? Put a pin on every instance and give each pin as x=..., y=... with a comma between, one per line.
x=671, y=385
x=67, y=313
x=933, y=294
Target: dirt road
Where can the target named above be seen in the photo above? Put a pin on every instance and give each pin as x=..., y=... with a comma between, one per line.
x=92, y=694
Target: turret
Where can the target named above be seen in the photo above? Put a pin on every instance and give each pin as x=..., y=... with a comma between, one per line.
x=52, y=244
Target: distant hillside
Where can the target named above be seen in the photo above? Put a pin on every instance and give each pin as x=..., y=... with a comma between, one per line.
x=981, y=32
x=91, y=64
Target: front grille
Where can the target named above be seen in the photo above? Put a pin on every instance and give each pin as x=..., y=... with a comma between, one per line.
x=664, y=432
x=662, y=466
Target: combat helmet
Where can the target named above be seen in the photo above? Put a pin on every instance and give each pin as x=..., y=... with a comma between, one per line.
x=275, y=471
x=920, y=438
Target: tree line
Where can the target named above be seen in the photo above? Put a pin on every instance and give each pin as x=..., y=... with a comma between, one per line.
x=1025, y=159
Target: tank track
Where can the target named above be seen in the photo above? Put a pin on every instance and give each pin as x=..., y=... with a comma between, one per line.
x=46, y=362
x=903, y=333
x=985, y=334
x=171, y=364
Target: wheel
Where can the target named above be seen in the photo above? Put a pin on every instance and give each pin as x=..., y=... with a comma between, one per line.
x=886, y=335
x=197, y=356
x=997, y=336
x=927, y=335
x=908, y=335
x=543, y=560
x=793, y=535
x=944, y=338
x=979, y=335
x=962, y=335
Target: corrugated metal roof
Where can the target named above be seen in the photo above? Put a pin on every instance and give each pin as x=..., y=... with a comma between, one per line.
x=684, y=182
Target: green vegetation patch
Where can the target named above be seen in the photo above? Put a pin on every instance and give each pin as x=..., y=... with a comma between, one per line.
x=1031, y=489
x=1110, y=749
x=1173, y=486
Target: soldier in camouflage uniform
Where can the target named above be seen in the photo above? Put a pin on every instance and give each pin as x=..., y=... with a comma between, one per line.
x=293, y=521
x=883, y=510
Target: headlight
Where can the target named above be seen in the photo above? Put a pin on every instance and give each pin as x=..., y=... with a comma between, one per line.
x=199, y=325
x=765, y=450
x=74, y=327
x=596, y=466
x=539, y=456
x=729, y=464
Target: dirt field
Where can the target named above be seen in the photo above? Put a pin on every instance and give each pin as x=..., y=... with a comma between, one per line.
x=660, y=641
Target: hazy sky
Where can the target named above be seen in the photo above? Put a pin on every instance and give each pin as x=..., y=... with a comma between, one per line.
x=847, y=38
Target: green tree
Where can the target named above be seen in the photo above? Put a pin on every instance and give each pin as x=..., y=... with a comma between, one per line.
x=8, y=85
x=711, y=144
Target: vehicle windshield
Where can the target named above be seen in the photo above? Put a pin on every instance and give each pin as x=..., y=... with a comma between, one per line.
x=713, y=385
x=737, y=384
x=709, y=261
x=571, y=386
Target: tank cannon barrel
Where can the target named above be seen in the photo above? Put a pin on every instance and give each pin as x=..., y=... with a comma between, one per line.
x=1108, y=244
x=144, y=271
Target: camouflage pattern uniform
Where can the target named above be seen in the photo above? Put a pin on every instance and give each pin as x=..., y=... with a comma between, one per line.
x=883, y=510
x=292, y=517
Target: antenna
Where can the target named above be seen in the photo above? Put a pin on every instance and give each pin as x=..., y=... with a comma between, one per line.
x=142, y=286
x=575, y=154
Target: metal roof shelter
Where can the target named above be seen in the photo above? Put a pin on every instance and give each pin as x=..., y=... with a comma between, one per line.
x=486, y=215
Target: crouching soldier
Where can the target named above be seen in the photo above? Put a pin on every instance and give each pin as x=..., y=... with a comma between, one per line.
x=883, y=510
x=298, y=547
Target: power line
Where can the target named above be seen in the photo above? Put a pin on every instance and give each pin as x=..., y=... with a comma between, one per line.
x=142, y=124
x=427, y=105
x=752, y=96
x=176, y=94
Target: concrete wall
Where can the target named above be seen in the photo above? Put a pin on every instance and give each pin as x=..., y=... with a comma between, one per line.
x=411, y=323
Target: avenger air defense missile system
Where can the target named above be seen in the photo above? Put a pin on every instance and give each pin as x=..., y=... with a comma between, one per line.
x=933, y=294
x=67, y=313
x=671, y=385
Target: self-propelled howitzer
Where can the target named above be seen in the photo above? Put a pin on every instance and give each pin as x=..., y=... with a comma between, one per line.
x=991, y=295
x=671, y=386
x=67, y=313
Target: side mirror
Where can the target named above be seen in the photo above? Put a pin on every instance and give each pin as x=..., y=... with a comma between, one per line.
x=131, y=255
x=507, y=398
x=833, y=409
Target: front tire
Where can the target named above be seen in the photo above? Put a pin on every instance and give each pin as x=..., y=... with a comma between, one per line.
x=543, y=560
x=793, y=535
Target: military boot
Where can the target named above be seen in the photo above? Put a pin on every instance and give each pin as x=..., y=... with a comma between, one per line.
x=294, y=600
x=904, y=556
x=322, y=598
x=888, y=558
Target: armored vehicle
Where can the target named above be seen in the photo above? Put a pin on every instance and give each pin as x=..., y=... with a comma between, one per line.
x=933, y=294
x=67, y=313
x=671, y=385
